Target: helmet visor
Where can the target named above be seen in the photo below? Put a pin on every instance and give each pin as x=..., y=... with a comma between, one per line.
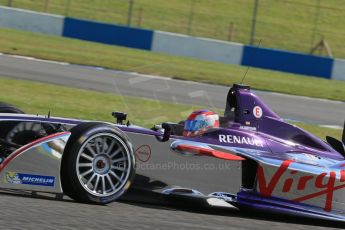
x=194, y=125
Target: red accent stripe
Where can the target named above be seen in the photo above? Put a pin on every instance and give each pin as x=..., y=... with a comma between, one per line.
x=313, y=195
x=209, y=152
x=27, y=146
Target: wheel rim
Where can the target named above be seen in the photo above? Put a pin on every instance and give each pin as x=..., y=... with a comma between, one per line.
x=103, y=164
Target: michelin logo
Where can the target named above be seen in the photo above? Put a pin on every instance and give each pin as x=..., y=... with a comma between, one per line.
x=22, y=178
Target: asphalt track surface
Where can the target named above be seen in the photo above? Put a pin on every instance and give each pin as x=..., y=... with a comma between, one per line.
x=28, y=212
x=317, y=111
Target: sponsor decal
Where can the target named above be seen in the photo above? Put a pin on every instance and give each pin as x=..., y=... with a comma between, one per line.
x=30, y=179
x=323, y=184
x=248, y=128
x=257, y=111
x=143, y=153
x=234, y=139
x=223, y=195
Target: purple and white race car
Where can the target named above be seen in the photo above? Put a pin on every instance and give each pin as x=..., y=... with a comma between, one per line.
x=254, y=160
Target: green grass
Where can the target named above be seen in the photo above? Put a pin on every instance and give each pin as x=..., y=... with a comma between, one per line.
x=114, y=57
x=39, y=98
x=288, y=24
x=320, y=131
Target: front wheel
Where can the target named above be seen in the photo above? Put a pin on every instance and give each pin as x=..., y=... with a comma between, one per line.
x=98, y=164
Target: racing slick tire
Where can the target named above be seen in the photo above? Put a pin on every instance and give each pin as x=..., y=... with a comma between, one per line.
x=98, y=164
x=7, y=108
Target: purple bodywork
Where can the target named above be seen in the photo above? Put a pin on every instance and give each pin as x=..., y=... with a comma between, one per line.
x=292, y=171
x=284, y=168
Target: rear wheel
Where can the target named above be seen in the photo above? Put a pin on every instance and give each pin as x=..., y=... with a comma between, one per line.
x=98, y=164
x=7, y=108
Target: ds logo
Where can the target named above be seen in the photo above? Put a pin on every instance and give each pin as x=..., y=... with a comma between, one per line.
x=257, y=111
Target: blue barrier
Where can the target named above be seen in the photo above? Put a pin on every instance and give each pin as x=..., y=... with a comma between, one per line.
x=176, y=44
x=107, y=33
x=287, y=61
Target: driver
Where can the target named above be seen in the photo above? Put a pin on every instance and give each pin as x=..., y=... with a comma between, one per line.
x=199, y=122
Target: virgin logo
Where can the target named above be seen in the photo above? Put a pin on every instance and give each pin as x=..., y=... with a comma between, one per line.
x=325, y=181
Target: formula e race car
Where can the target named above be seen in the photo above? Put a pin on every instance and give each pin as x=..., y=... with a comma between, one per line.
x=253, y=160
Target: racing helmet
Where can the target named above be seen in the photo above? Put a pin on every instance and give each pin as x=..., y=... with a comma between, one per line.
x=199, y=121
